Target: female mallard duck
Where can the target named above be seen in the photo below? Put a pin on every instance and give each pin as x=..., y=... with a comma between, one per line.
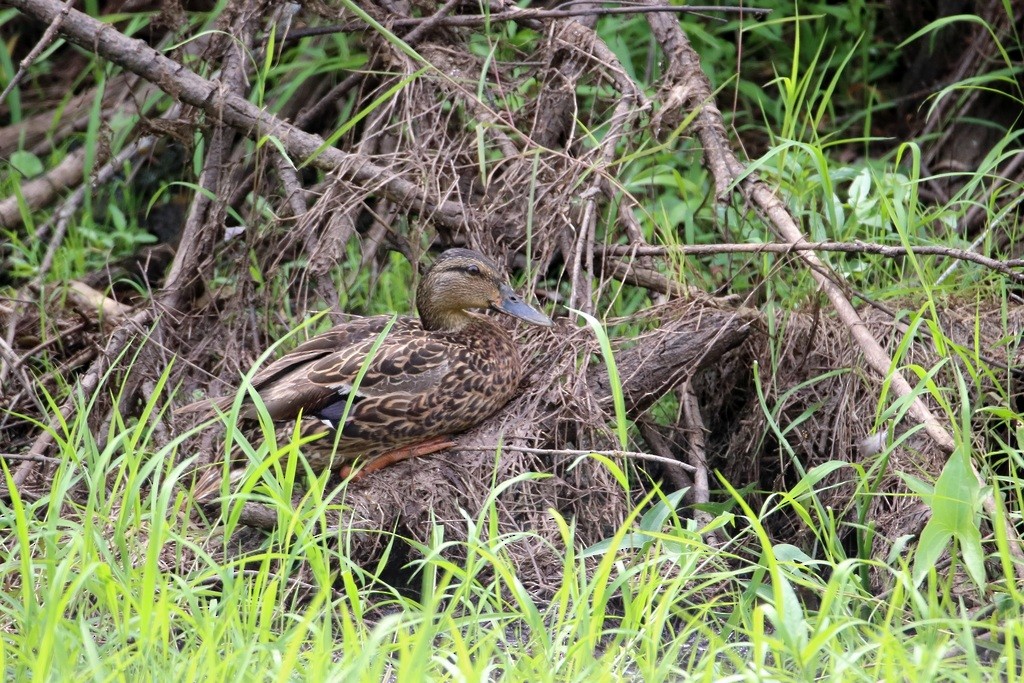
x=429, y=378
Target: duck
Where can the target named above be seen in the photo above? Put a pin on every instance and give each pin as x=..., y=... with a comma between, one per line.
x=425, y=379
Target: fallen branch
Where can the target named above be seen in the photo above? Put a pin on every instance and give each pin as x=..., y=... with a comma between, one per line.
x=44, y=42
x=38, y=192
x=577, y=453
x=1004, y=267
x=224, y=107
x=525, y=15
x=691, y=87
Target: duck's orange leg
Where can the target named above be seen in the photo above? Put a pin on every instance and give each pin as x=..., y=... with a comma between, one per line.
x=438, y=443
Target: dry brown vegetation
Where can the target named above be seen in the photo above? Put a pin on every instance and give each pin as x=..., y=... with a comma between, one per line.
x=450, y=147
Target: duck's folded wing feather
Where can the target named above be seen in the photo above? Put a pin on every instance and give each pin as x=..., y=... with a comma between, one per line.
x=323, y=371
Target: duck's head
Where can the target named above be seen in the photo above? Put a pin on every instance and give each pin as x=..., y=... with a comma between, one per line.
x=461, y=280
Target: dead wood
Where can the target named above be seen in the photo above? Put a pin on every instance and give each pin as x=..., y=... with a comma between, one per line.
x=824, y=399
x=443, y=159
x=233, y=110
x=1008, y=267
x=691, y=86
x=40, y=191
x=184, y=276
x=585, y=12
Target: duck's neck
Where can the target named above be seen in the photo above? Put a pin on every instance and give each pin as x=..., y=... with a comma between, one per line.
x=445, y=320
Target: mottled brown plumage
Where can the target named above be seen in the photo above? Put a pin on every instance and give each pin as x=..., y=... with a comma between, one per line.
x=437, y=375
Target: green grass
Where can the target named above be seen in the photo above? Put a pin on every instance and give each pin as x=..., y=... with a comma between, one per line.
x=117, y=586
x=108, y=576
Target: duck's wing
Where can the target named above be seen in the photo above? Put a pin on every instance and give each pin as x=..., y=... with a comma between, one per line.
x=318, y=376
x=322, y=369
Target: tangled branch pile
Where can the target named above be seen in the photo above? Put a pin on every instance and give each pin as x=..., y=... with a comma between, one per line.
x=437, y=138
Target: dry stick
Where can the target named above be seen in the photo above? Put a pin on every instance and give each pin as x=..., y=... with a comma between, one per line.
x=524, y=15
x=580, y=36
x=1003, y=267
x=27, y=133
x=86, y=386
x=695, y=431
x=660, y=445
x=996, y=30
x=698, y=448
x=778, y=215
x=66, y=367
x=21, y=457
x=186, y=86
x=38, y=192
x=325, y=248
x=553, y=114
x=695, y=90
x=296, y=194
x=40, y=134
x=581, y=294
x=77, y=198
x=634, y=234
x=335, y=94
x=182, y=273
x=43, y=43
x=1005, y=178
x=58, y=338
x=632, y=455
x=583, y=38
x=648, y=278
x=10, y=360
x=197, y=239
x=429, y=23
x=496, y=124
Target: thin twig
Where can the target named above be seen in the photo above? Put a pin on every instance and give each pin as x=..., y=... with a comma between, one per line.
x=693, y=89
x=86, y=386
x=353, y=79
x=660, y=444
x=632, y=455
x=695, y=431
x=43, y=43
x=581, y=295
x=39, y=191
x=474, y=20
x=698, y=452
x=187, y=86
x=22, y=457
x=1003, y=267
x=139, y=147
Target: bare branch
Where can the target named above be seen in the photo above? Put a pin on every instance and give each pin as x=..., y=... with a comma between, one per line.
x=185, y=85
x=530, y=15
x=1005, y=267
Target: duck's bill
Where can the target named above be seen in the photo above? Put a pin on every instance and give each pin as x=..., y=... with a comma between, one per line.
x=512, y=304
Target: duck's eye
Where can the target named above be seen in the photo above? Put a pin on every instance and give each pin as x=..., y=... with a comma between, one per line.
x=473, y=269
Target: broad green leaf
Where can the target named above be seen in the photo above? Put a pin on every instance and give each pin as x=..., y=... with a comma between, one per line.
x=26, y=163
x=954, y=505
